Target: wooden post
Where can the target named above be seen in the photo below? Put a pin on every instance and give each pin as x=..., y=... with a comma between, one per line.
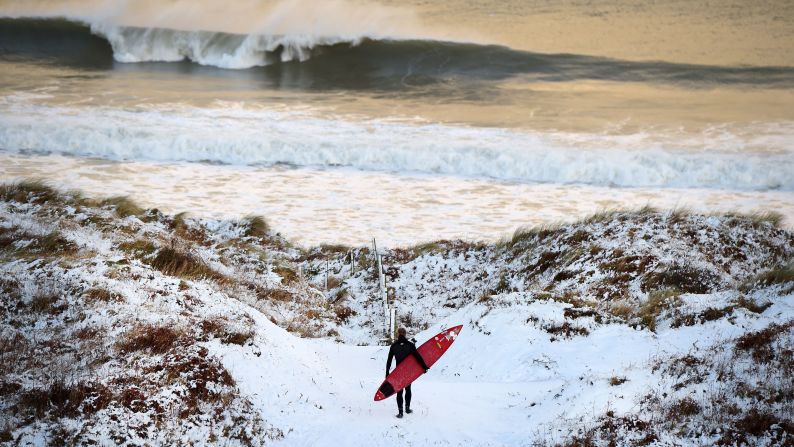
x=382, y=290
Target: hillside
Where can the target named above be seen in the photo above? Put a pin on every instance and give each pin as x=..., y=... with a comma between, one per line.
x=124, y=326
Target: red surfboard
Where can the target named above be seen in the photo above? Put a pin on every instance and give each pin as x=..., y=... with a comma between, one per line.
x=409, y=370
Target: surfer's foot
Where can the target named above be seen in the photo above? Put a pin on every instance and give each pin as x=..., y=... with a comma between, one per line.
x=400, y=414
x=409, y=411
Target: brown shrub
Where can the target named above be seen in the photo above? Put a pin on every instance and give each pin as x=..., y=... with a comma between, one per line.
x=123, y=206
x=574, y=313
x=566, y=330
x=343, y=313
x=139, y=248
x=204, y=374
x=621, y=310
x=219, y=328
x=657, y=302
x=256, y=226
x=62, y=400
x=751, y=305
x=103, y=295
x=174, y=262
x=288, y=275
x=687, y=279
x=45, y=302
x=756, y=422
x=55, y=242
x=28, y=191
x=157, y=339
x=134, y=399
x=779, y=275
x=760, y=343
x=87, y=333
x=683, y=409
x=545, y=261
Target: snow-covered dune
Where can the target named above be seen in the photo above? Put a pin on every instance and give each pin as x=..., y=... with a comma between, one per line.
x=126, y=326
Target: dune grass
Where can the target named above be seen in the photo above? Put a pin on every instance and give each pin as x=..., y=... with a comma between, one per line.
x=28, y=191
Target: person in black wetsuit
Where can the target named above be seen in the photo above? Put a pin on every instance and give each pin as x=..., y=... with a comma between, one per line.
x=400, y=350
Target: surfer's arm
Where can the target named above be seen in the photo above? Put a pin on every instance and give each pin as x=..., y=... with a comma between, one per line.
x=419, y=358
x=388, y=362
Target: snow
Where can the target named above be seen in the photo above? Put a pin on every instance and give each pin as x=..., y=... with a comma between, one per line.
x=512, y=376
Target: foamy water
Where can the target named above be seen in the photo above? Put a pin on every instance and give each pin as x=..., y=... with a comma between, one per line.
x=346, y=120
x=250, y=136
x=313, y=206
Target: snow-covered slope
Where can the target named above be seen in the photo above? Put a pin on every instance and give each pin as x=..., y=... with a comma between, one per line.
x=126, y=326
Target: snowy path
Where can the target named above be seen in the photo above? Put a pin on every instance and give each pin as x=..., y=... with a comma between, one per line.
x=503, y=382
x=487, y=390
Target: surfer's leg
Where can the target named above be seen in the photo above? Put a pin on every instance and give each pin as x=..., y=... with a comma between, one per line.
x=400, y=400
x=407, y=399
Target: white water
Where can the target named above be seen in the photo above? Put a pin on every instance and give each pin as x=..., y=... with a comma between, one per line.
x=214, y=49
x=348, y=206
x=233, y=134
x=234, y=36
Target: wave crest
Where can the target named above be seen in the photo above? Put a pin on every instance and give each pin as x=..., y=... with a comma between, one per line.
x=222, y=50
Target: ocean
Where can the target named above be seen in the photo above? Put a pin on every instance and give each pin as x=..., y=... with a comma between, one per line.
x=406, y=121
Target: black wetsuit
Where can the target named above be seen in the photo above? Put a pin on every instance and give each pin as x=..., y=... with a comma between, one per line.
x=400, y=350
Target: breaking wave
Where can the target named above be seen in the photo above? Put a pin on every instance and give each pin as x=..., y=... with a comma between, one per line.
x=346, y=60
x=237, y=135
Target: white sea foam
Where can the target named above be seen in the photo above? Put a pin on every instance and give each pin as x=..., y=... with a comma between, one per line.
x=214, y=49
x=246, y=136
x=209, y=32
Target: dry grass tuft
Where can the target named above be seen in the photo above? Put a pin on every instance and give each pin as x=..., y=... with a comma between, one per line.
x=264, y=293
x=766, y=217
x=221, y=329
x=686, y=279
x=55, y=242
x=678, y=215
x=123, y=205
x=138, y=248
x=566, y=330
x=683, y=409
x=621, y=309
x=156, y=339
x=45, y=303
x=760, y=344
x=175, y=262
x=59, y=400
x=538, y=233
x=103, y=295
x=288, y=276
x=658, y=301
x=52, y=243
x=343, y=313
x=28, y=191
x=782, y=274
x=256, y=226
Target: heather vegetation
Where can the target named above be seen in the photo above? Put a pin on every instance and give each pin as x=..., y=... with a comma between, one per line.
x=112, y=313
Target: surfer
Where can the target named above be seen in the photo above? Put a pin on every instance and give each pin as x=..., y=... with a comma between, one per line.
x=400, y=350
